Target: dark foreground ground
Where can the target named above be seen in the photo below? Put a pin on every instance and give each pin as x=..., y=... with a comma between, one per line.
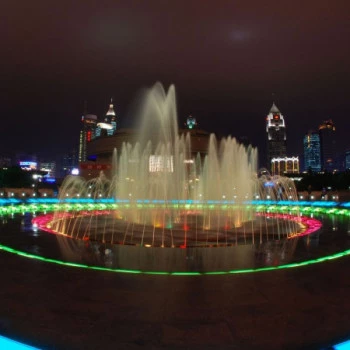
x=56, y=307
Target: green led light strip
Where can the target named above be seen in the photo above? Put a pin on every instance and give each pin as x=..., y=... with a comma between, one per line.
x=14, y=209
x=21, y=208
x=193, y=273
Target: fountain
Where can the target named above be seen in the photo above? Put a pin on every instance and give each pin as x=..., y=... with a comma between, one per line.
x=165, y=196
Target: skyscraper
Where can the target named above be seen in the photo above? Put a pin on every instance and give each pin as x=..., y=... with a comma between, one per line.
x=328, y=146
x=276, y=135
x=108, y=126
x=111, y=119
x=87, y=134
x=312, y=151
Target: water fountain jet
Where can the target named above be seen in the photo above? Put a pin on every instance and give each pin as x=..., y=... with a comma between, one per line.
x=166, y=196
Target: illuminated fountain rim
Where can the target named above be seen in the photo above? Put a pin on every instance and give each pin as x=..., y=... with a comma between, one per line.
x=21, y=207
x=308, y=225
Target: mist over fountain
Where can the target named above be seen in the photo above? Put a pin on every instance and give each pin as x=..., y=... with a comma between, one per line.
x=166, y=196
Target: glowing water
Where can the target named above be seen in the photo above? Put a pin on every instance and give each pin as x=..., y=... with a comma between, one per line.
x=168, y=196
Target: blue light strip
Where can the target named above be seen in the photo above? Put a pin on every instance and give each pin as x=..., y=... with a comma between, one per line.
x=342, y=346
x=8, y=344
x=16, y=201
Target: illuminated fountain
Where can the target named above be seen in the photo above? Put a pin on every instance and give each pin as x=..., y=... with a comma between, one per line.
x=165, y=196
x=169, y=211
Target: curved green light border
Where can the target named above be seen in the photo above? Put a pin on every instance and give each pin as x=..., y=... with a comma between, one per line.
x=184, y=273
x=274, y=208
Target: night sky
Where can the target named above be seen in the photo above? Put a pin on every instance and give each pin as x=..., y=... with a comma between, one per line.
x=226, y=59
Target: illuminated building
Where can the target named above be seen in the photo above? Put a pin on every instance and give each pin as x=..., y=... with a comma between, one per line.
x=285, y=165
x=109, y=125
x=328, y=146
x=49, y=168
x=100, y=151
x=276, y=136
x=312, y=151
x=87, y=134
x=28, y=165
x=191, y=122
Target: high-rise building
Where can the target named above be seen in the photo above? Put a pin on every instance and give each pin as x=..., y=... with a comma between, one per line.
x=276, y=135
x=312, y=151
x=87, y=134
x=328, y=146
x=108, y=126
x=111, y=119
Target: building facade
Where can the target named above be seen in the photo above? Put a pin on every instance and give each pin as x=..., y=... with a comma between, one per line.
x=87, y=134
x=108, y=126
x=68, y=162
x=312, y=152
x=285, y=165
x=328, y=146
x=276, y=136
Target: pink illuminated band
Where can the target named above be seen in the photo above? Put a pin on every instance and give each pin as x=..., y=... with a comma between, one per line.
x=308, y=225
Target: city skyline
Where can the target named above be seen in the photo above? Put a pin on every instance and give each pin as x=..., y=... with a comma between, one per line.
x=101, y=119
x=228, y=62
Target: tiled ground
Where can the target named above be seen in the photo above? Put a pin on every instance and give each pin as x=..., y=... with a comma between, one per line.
x=67, y=308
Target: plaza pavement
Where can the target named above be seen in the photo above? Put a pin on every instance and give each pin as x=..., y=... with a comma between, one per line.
x=55, y=307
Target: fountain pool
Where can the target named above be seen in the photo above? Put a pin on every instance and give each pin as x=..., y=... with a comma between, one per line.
x=168, y=210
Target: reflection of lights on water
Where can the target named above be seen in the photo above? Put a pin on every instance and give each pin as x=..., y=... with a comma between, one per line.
x=308, y=211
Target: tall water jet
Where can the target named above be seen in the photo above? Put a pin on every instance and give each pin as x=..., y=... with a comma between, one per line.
x=165, y=195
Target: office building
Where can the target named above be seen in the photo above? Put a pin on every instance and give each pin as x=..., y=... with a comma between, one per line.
x=328, y=146
x=87, y=134
x=276, y=136
x=108, y=126
x=312, y=152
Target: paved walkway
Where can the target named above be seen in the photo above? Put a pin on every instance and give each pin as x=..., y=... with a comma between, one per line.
x=55, y=307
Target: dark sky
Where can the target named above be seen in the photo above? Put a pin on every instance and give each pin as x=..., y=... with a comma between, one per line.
x=226, y=59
